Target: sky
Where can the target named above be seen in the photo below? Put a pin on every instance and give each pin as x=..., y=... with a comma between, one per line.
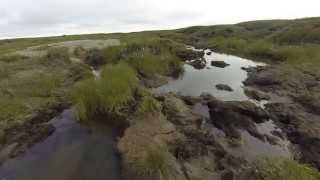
x=29, y=18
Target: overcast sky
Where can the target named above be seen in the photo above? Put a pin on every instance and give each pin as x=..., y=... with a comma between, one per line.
x=24, y=18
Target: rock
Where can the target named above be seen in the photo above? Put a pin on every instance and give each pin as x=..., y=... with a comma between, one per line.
x=190, y=100
x=223, y=87
x=259, y=76
x=232, y=116
x=261, y=81
x=250, y=109
x=209, y=53
x=254, y=94
x=178, y=113
x=206, y=96
x=253, y=69
x=280, y=112
x=198, y=64
x=220, y=64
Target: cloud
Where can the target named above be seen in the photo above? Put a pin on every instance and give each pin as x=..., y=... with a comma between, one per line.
x=20, y=18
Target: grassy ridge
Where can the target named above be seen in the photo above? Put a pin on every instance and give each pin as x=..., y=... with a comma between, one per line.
x=292, y=41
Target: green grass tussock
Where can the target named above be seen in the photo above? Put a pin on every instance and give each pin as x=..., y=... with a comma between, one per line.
x=149, y=57
x=155, y=162
x=117, y=86
x=61, y=53
x=285, y=169
x=109, y=94
x=149, y=105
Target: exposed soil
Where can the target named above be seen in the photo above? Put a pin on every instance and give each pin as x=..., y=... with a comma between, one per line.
x=16, y=140
x=299, y=117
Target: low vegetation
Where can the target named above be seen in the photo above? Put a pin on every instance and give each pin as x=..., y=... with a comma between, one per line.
x=148, y=58
x=28, y=85
x=148, y=105
x=110, y=94
x=155, y=162
x=291, y=41
x=284, y=169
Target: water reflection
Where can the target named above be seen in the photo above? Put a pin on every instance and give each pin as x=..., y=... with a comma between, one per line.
x=194, y=81
x=73, y=151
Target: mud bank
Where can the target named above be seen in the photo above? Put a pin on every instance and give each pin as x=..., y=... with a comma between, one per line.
x=297, y=115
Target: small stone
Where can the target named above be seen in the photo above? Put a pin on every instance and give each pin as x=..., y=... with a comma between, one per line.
x=220, y=64
x=223, y=87
x=256, y=95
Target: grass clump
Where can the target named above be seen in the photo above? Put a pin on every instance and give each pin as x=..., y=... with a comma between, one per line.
x=117, y=86
x=149, y=57
x=58, y=56
x=58, y=53
x=149, y=105
x=156, y=162
x=285, y=169
x=110, y=94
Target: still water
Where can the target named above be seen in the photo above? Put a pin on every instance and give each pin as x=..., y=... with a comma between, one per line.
x=73, y=151
x=196, y=81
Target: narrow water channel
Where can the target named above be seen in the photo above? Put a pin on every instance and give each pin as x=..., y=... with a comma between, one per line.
x=73, y=152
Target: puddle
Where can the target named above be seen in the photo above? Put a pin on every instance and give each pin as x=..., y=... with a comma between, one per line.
x=194, y=82
x=73, y=151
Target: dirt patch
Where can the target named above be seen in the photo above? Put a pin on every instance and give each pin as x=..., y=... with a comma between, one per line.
x=299, y=117
x=191, y=151
x=17, y=139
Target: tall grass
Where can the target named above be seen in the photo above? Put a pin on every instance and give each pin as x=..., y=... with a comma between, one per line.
x=149, y=105
x=156, y=162
x=148, y=57
x=56, y=57
x=285, y=169
x=110, y=94
x=117, y=86
x=222, y=43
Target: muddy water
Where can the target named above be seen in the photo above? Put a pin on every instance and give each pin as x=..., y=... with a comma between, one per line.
x=73, y=151
x=195, y=82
